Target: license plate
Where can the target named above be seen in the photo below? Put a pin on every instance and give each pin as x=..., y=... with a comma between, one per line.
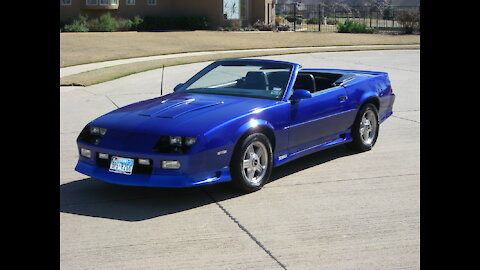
x=121, y=165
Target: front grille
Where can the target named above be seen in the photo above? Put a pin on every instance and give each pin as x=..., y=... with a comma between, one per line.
x=137, y=167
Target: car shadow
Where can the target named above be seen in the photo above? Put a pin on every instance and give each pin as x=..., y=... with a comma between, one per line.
x=309, y=161
x=94, y=198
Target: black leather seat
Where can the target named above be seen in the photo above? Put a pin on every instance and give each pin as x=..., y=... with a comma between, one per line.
x=255, y=80
x=305, y=81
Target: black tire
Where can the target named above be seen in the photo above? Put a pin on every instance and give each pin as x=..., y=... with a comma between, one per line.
x=251, y=170
x=365, y=129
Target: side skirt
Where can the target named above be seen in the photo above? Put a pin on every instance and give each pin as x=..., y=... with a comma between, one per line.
x=282, y=159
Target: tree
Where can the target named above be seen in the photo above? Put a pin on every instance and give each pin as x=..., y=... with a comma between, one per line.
x=409, y=19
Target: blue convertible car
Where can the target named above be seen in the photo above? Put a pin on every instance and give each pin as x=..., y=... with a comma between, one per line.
x=234, y=121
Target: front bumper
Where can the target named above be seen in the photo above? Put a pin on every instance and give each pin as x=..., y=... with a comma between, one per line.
x=197, y=169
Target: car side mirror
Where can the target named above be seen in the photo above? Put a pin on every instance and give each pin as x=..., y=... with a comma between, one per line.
x=177, y=87
x=300, y=94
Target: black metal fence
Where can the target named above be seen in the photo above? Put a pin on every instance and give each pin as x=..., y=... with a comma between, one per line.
x=323, y=18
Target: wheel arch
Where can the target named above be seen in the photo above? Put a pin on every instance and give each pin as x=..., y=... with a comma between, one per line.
x=374, y=100
x=256, y=126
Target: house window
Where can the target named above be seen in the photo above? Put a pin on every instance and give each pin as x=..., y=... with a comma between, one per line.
x=66, y=2
x=101, y=3
x=130, y=2
x=152, y=2
x=92, y=2
x=234, y=9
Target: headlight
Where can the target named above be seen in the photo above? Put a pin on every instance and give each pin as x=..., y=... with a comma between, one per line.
x=174, y=144
x=175, y=140
x=91, y=134
x=98, y=131
x=189, y=141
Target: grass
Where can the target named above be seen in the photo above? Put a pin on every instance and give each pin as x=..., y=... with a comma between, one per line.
x=115, y=72
x=82, y=48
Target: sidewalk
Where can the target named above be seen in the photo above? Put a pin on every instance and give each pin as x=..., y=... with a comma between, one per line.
x=67, y=71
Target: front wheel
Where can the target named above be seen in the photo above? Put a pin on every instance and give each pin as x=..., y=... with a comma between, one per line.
x=251, y=164
x=365, y=129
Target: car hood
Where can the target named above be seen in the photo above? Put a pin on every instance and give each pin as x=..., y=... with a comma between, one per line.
x=181, y=114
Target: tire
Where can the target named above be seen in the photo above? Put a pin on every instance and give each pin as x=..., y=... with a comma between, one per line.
x=251, y=163
x=365, y=129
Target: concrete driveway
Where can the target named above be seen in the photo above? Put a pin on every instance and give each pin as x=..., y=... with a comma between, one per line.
x=334, y=209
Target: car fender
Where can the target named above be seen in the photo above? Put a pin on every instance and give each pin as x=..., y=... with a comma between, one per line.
x=369, y=97
x=226, y=136
x=254, y=125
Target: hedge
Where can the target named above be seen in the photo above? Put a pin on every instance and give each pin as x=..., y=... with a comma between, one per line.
x=107, y=23
x=152, y=23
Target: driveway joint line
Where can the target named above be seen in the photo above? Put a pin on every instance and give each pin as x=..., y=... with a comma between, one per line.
x=406, y=119
x=226, y=212
x=112, y=101
x=100, y=95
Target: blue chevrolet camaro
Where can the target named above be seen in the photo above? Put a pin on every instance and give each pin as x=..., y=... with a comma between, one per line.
x=234, y=121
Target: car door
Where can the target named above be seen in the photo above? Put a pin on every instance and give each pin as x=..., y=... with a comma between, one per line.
x=317, y=120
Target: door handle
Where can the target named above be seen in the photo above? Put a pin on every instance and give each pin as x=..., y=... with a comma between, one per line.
x=342, y=98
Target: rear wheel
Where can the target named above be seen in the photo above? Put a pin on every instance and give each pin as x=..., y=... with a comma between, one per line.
x=251, y=163
x=365, y=129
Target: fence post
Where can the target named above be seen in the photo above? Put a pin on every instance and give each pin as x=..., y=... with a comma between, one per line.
x=365, y=15
x=294, y=16
x=268, y=13
x=370, y=13
x=393, y=18
x=319, y=20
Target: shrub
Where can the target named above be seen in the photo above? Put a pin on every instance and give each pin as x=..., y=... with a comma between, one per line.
x=78, y=25
x=136, y=22
x=233, y=25
x=283, y=27
x=263, y=26
x=409, y=19
x=152, y=23
x=312, y=21
x=124, y=24
x=291, y=18
x=353, y=27
x=128, y=24
x=106, y=23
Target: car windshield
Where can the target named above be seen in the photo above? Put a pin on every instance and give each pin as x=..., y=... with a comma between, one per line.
x=257, y=79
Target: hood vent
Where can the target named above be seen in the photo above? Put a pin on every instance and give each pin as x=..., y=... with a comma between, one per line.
x=176, y=107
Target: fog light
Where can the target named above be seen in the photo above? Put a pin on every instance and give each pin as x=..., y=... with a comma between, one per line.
x=145, y=162
x=86, y=152
x=102, y=155
x=170, y=164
